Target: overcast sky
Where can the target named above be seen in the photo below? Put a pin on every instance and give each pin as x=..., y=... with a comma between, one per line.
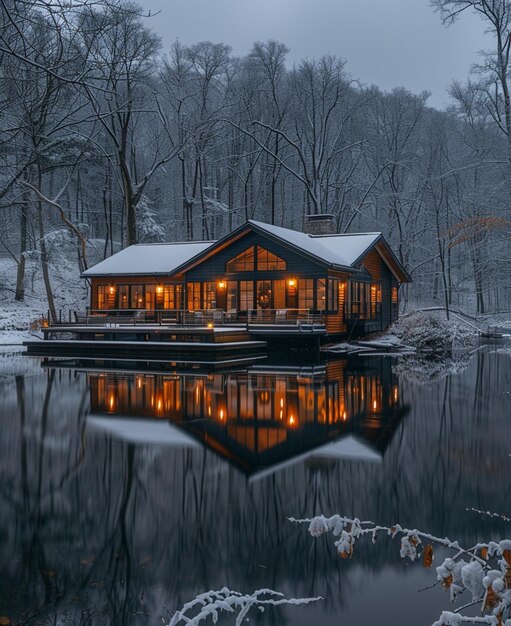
x=389, y=43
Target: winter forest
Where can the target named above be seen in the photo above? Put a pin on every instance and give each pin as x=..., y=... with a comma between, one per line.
x=108, y=139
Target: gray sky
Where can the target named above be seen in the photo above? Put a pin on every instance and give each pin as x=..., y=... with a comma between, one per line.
x=389, y=43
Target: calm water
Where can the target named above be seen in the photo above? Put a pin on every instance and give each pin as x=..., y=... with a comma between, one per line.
x=124, y=494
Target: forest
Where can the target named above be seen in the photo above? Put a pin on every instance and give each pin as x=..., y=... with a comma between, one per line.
x=107, y=139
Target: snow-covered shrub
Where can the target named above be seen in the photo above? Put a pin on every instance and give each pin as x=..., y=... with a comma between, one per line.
x=430, y=331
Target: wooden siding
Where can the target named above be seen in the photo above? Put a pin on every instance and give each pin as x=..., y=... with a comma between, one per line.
x=373, y=264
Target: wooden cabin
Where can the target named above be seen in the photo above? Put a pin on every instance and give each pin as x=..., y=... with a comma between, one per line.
x=258, y=275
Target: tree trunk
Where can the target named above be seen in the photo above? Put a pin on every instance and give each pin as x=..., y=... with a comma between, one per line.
x=44, y=254
x=20, y=275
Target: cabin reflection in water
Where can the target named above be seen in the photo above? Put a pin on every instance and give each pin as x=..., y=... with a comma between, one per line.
x=260, y=417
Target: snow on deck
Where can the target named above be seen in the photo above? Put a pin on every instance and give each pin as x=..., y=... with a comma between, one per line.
x=155, y=258
x=342, y=250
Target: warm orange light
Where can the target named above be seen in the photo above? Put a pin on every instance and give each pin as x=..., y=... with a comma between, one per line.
x=292, y=420
x=139, y=382
x=375, y=405
x=111, y=289
x=221, y=284
x=210, y=325
x=344, y=416
x=396, y=392
x=209, y=410
x=222, y=415
x=159, y=289
x=291, y=282
x=111, y=402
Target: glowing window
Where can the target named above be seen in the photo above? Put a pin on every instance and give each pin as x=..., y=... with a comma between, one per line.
x=267, y=261
x=243, y=262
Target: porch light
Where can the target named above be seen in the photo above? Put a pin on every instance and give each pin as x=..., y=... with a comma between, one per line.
x=159, y=289
x=291, y=282
x=111, y=290
x=221, y=284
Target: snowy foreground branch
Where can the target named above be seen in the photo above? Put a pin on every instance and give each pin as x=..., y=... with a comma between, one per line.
x=484, y=570
x=212, y=603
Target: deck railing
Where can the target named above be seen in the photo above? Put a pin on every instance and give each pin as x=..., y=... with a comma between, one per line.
x=202, y=317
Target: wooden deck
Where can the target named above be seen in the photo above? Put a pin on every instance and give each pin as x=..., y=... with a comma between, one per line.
x=202, y=353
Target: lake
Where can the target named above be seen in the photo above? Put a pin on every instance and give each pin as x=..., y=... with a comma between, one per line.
x=125, y=493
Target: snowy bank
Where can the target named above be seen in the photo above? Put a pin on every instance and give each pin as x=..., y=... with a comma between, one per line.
x=430, y=332
x=20, y=320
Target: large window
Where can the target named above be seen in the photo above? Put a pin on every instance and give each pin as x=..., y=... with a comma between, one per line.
x=209, y=295
x=169, y=297
x=321, y=295
x=124, y=297
x=244, y=262
x=333, y=294
x=250, y=261
x=306, y=293
x=359, y=301
x=150, y=297
x=232, y=295
x=137, y=296
x=102, y=297
x=193, y=296
x=246, y=295
x=268, y=261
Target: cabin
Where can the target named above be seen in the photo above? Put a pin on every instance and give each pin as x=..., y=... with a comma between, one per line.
x=263, y=277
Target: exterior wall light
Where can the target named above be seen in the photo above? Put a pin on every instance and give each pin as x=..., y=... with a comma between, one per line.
x=221, y=284
x=291, y=282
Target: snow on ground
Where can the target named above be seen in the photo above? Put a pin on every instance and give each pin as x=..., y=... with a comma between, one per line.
x=19, y=321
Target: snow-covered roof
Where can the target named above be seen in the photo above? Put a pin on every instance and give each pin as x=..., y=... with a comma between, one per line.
x=143, y=431
x=148, y=259
x=348, y=448
x=342, y=249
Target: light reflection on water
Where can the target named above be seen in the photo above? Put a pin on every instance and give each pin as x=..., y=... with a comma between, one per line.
x=100, y=525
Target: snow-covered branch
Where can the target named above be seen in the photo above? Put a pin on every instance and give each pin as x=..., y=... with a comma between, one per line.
x=484, y=569
x=211, y=603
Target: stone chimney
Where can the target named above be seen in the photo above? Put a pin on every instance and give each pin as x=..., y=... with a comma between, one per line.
x=322, y=224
